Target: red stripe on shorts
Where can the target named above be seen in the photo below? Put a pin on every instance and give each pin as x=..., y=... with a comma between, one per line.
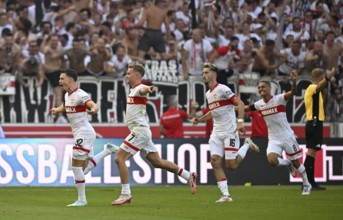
x=81, y=149
x=231, y=149
x=131, y=146
x=295, y=153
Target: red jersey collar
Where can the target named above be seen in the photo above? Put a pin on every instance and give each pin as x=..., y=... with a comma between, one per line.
x=214, y=87
x=73, y=91
x=266, y=101
x=137, y=85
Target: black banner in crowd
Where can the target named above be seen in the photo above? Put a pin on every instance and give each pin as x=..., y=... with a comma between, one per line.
x=31, y=105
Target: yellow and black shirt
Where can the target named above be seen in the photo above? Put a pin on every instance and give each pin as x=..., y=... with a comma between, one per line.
x=314, y=103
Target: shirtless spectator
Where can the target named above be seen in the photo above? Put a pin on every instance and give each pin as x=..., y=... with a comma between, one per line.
x=315, y=58
x=76, y=57
x=99, y=54
x=53, y=64
x=10, y=53
x=130, y=43
x=332, y=49
x=265, y=60
x=31, y=66
x=83, y=3
x=154, y=15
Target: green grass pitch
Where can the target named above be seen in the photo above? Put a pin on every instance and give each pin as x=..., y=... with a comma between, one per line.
x=172, y=202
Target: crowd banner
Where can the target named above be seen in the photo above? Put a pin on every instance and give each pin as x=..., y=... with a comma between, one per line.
x=47, y=162
x=32, y=104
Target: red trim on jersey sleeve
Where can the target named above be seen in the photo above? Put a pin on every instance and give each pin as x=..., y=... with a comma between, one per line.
x=131, y=146
x=75, y=109
x=231, y=149
x=73, y=91
x=273, y=110
x=88, y=100
x=232, y=99
x=137, y=100
x=81, y=149
x=221, y=51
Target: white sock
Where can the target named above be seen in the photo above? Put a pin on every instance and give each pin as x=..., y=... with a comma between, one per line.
x=91, y=164
x=125, y=189
x=96, y=159
x=283, y=162
x=80, y=183
x=243, y=150
x=184, y=174
x=302, y=171
x=222, y=185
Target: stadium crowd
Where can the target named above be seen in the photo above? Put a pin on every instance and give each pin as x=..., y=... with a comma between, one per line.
x=100, y=37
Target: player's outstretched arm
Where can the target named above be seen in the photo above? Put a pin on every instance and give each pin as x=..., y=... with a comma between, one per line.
x=294, y=75
x=56, y=111
x=92, y=108
x=205, y=117
x=147, y=89
x=327, y=78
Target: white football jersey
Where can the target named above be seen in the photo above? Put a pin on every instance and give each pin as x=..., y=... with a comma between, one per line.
x=274, y=113
x=136, y=114
x=220, y=102
x=76, y=109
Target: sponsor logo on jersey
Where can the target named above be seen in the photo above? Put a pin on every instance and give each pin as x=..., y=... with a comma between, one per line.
x=75, y=109
x=70, y=109
x=273, y=110
x=214, y=105
x=137, y=100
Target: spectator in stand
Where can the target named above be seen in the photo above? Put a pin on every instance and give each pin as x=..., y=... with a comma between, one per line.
x=76, y=57
x=195, y=53
x=315, y=58
x=332, y=50
x=31, y=66
x=10, y=53
x=296, y=30
x=334, y=107
x=154, y=15
x=117, y=66
x=171, y=124
x=130, y=42
x=265, y=60
x=53, y=63
x=99, y=54
x=228, y=33
x=224, y=58
x=294, y=59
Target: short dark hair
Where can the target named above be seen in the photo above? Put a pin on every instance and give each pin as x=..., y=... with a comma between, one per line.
x=266, y=82
x=212, y=67
x=71, y=73
x=137, y=67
